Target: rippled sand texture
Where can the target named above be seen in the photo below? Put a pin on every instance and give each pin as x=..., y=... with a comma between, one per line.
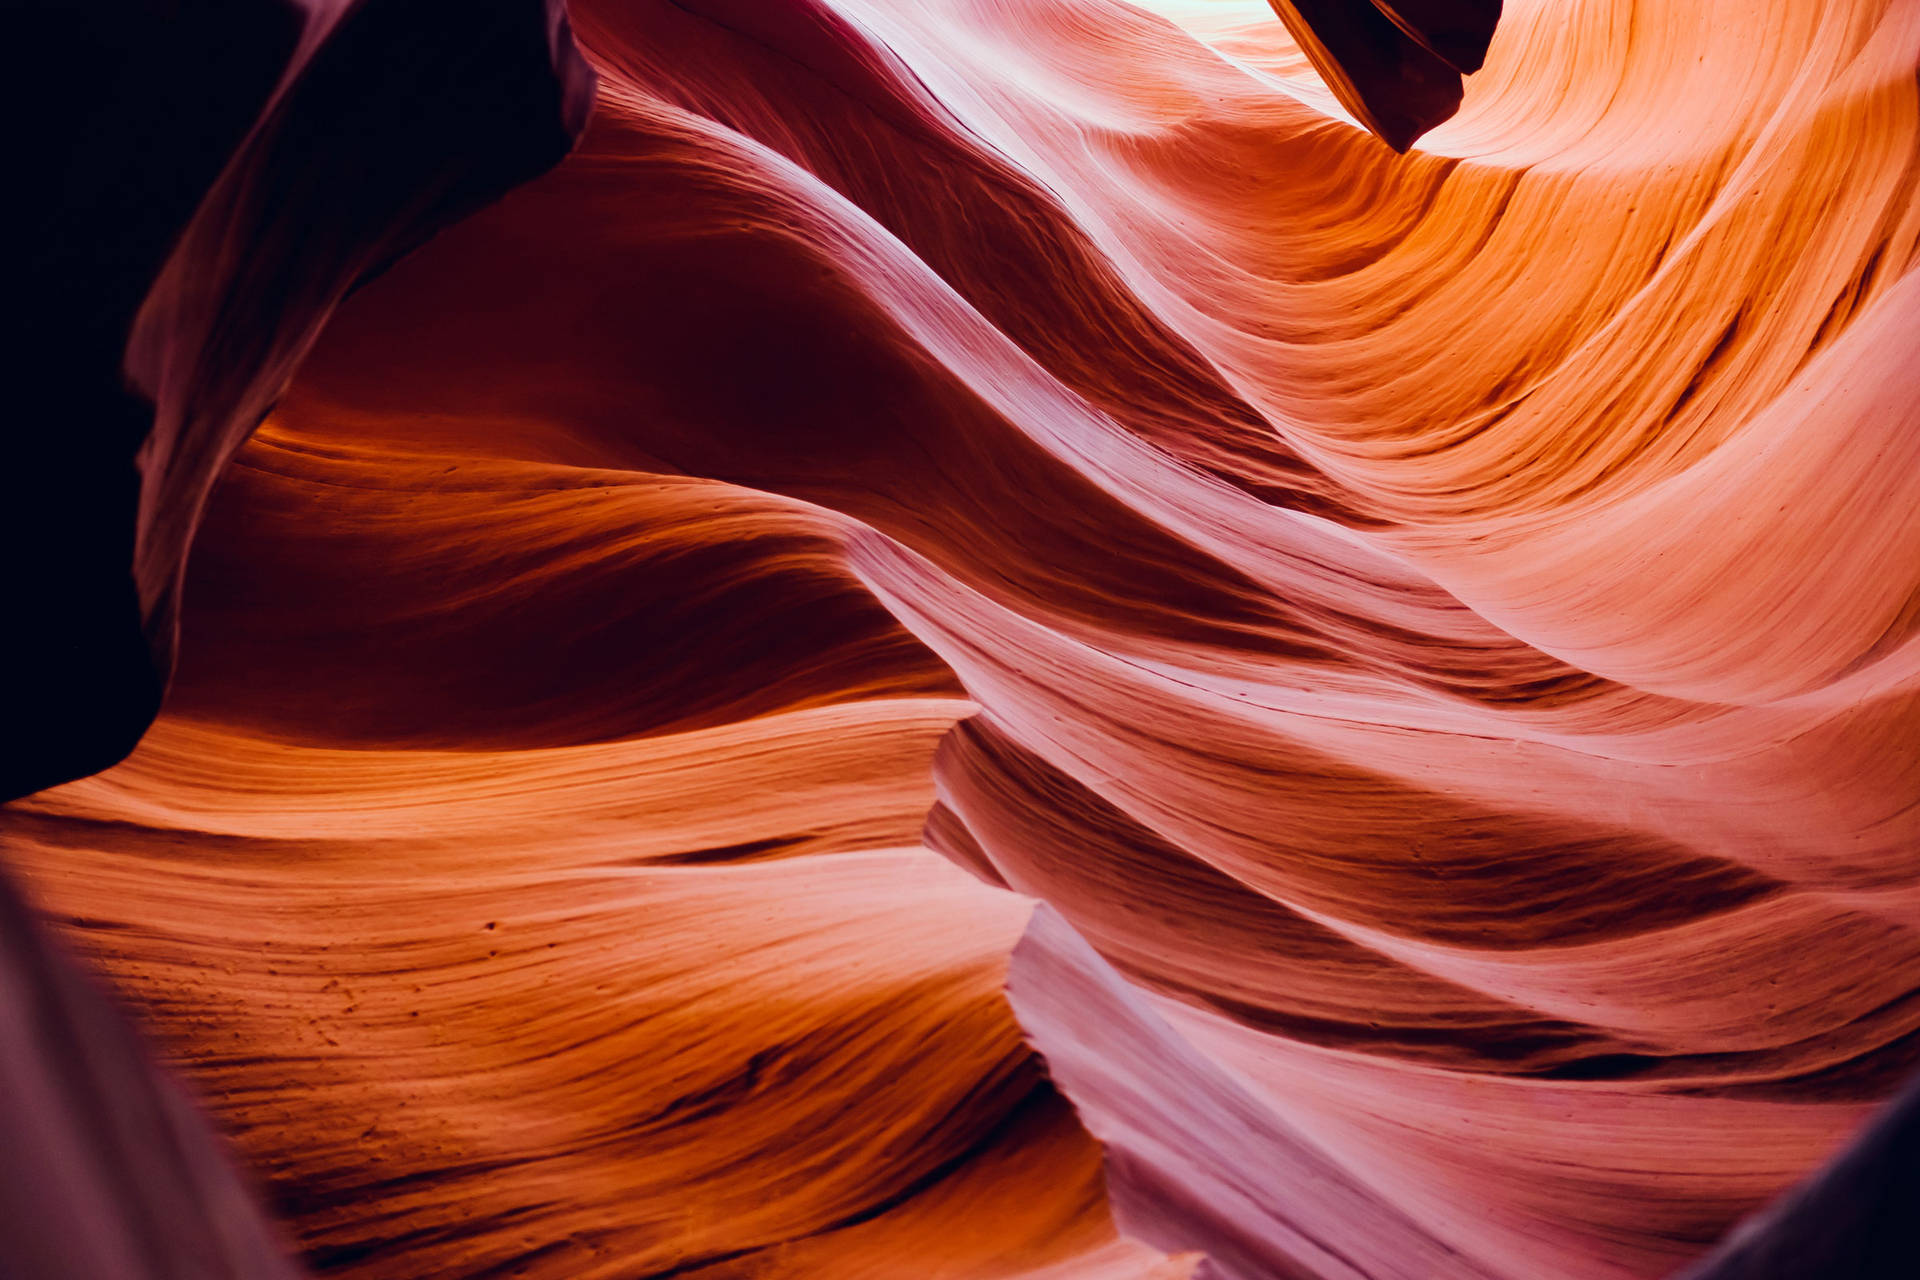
x=1437, y=631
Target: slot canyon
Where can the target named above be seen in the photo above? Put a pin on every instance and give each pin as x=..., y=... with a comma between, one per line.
x=963, y=640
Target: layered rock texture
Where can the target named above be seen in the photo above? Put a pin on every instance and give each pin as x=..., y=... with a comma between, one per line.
x=987, y=640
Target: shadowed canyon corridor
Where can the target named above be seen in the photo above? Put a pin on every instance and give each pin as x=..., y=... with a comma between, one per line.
x=974, y=640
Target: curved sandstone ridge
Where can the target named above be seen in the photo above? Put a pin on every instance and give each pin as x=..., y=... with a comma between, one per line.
x=594, y=977
x=1436, y=631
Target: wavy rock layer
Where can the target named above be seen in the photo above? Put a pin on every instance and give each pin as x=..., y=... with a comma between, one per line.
x=1439, y=633
x=568, y=998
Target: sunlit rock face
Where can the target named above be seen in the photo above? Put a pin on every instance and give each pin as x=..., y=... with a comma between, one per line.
x=1435, y=631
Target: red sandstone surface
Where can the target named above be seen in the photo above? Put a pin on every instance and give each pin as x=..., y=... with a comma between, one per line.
x=984, y=639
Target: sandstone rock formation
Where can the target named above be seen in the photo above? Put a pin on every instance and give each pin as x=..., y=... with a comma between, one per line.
x=1434, y=632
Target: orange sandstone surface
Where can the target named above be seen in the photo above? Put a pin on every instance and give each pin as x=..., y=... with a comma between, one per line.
x=1436, y=633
